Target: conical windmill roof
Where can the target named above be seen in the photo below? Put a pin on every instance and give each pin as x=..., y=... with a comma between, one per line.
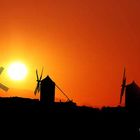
x=133, y=95
x=134, y=87
x=47, y=80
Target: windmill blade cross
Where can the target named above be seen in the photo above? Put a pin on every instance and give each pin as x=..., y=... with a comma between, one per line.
x=37, y=89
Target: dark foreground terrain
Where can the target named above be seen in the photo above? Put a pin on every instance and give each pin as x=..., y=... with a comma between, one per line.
x=66, y=120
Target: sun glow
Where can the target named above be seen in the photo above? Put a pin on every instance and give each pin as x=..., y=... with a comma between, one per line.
x=17, y=71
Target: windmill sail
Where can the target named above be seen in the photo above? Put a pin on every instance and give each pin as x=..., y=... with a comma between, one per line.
x=37, y=89
x=41, y=74
x=37, y=75
x=1, y=69
x=3, y=87
x=123, y=86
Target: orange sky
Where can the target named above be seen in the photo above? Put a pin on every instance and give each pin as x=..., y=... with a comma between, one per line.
x=82, y=44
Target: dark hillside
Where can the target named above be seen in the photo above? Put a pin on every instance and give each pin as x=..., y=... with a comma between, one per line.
x=69, y=118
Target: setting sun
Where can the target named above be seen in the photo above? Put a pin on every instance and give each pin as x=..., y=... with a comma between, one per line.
x=17, y=71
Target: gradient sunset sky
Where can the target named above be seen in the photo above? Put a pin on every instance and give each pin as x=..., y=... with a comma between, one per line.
x=82, y=44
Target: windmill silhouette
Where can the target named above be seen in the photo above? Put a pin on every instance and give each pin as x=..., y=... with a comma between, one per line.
x=3, y=87
x=132, y=93
x=46, y=87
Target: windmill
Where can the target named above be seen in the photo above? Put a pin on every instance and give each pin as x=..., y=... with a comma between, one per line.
x=46, y=87
x=123, y=86
x=132, y=93
x=3, y=87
